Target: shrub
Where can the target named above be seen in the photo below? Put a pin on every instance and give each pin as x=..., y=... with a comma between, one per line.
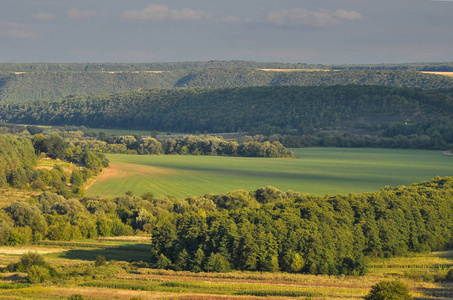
x=27, y=261
x=38, y=274
x=389, y=290
x=100, y=261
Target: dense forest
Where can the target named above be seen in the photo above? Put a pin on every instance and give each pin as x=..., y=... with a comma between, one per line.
x=383, y=112
x=58, y=84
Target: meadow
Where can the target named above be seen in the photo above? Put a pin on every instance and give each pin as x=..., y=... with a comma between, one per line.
x=316, y=171
x=126, y=275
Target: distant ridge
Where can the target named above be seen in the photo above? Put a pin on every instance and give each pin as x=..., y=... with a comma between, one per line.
x=52, y=81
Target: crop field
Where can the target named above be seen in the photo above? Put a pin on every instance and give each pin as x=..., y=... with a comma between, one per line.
x=317, y=171
x=127, y=275
x=294, y=70
x=450, y=74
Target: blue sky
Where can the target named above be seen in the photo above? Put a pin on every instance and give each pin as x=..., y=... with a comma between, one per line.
x=307, y=31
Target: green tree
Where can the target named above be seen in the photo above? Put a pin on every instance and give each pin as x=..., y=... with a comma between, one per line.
x=182, y=261
x=198, y=261
x=55, y=146
x=297, y=263
x=217, y=263
x=76, y=178
x=163, y=262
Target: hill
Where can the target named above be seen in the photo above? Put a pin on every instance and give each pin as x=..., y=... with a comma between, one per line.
x=260, y=109
x=26, y=82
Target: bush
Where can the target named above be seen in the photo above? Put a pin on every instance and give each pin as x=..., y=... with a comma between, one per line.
x=27, y=261
x=389, y=290
x=100, y=261
x=38, y=274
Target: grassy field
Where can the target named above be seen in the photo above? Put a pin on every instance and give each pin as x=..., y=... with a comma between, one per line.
x=318, y=171
x=125, y=276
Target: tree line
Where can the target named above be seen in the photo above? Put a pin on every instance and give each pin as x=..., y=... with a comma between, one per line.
x=261, y=230
x=193, y=145
x=189, y=65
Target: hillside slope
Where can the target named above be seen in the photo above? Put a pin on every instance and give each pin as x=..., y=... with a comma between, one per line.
x=297, y=109
x=36, y=85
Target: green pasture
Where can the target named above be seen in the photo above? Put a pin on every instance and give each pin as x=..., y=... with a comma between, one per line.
x=317, y=171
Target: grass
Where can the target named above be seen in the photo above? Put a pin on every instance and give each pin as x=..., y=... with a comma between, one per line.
x=11, y=195
x=199, y=287
x=319, y=171
x=121, y=280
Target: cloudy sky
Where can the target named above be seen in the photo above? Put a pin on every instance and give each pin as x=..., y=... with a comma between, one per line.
x=310, y=31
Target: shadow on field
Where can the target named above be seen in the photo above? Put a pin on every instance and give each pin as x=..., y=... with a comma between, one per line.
x=129, y=253
x=446, y=292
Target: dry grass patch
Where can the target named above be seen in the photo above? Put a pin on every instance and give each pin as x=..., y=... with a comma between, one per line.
x=123, y=170
x=135, y=239
x=450, y=74
x=105, y=293
x=10, y=195
x=17, y=251
x=293, y=70
x=49, y=164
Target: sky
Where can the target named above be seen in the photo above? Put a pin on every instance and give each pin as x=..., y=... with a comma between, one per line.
x=297, y=31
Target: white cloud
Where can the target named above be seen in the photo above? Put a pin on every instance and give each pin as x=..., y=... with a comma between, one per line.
x=19, y=34
x=188, y=14
x=299, y=17
x=347, y=15
x=77, y=14
x=44, y=16
x=159, y=12
x=6, y=24
x=153, y=13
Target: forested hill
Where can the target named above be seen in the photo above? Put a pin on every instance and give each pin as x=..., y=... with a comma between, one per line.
x=43, y=82
x=190, y=65
x=259, y=109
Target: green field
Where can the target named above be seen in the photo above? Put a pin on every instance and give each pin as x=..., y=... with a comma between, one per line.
x=318, y=171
